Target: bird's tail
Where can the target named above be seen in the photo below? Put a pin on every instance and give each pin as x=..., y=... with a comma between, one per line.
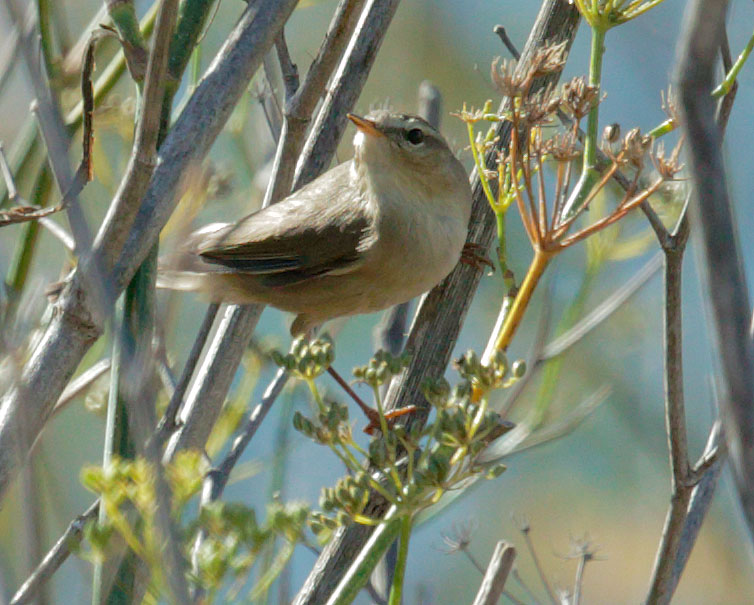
x=183, y=269
x=187, y=281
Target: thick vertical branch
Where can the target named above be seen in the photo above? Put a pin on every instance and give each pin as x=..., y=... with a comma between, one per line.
x=722, y=271
x=438, y=321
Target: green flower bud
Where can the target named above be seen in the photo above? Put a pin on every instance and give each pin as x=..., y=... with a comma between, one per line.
x=495, y=471
x=518, y=369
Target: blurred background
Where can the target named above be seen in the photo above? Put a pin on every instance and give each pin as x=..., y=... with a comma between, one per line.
x=607, y=479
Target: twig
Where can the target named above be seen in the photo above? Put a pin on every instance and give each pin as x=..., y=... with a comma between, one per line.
x=585, y=553
x=55, y=557
x=59, y=233
x=81, y=384
x=54, y=133
x=684, y=478
x=525, y=530
x=701, y=498
x=299, y=110
x=287, y=67
x=269, y=101
x=500, y=31
x=83, y=174
x=722, y=270
x=75, y=326
x=169, y=423
x=498, y=569
x=216, y=480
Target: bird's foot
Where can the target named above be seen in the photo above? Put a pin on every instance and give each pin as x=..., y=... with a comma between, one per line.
x=372, y=415
x=475, y=255
x=390, y=418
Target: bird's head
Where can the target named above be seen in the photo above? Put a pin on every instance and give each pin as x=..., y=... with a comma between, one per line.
x=395, y=141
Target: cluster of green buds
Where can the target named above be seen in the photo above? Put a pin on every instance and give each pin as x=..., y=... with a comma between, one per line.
x=411, y=465
x=234, y=537
x=347, y=498
x=494, y=374
x=381, y=368
x=330, y=423
x=307, y=360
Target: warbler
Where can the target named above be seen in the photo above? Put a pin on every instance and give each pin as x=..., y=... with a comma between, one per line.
x=373, y=232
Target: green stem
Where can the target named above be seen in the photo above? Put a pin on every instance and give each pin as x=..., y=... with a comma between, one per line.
x=366, y=560
x=396, y=590
x=590, y=176
x=45, y=37
x=662, y=129
x=725, y=86
x=595, y=80
x=480, y=166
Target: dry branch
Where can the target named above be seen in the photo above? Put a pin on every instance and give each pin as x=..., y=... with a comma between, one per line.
x=437, y=324
x=496, y=575
x=712, y=215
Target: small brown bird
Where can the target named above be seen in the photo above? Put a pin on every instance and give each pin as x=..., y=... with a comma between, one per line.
x=370, y=233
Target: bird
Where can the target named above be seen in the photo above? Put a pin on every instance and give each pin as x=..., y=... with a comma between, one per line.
x=370, y=233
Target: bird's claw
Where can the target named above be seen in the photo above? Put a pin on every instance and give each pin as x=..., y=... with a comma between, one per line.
x=390, y=417
x=475, y=255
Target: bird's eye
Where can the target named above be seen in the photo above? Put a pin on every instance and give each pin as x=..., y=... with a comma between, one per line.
x=415, y=136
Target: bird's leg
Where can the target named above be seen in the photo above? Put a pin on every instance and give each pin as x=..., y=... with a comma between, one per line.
x=372, y=415
x=476, y=255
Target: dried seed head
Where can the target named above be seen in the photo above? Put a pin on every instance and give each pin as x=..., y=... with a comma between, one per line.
x=548, y=59
x=669, y=105
x=667, y=167
x=635, y=146
x=562, y=147
x=505, y=80
x=611, y=134
x=539, y=108
x=578, y=98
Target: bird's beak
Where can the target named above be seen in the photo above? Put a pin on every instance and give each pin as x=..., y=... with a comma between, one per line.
x=366, y=126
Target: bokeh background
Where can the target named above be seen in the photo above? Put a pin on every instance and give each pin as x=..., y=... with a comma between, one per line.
x=607, y=479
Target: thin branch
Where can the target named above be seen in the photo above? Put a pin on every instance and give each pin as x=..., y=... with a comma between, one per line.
x=169, y=421
x=496, y=575
x=722, y=268
x=216, y=479
x=299, y=110
x=55, y=557
x=684, y=478
x=675, y=417
x=507, y=42
x=287, y=67
x=53, y=130
x=526, y=530
x=701, y=499
x=81, y=384
x=83, y=174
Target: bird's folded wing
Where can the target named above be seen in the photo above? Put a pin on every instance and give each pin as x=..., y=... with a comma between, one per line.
x=295, y=240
